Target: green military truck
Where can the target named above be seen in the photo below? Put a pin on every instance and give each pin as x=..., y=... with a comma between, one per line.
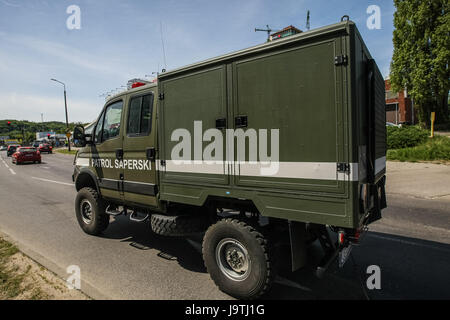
x=277, y=145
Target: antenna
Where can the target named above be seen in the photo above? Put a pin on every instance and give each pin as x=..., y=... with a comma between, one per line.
x=268, y=30
x=163, y=48
x=308, y=26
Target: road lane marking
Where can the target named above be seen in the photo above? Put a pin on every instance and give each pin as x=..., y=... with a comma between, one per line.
x=10, y=170
x=57, y=182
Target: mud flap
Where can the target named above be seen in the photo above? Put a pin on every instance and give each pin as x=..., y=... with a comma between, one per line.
x=297, y=233
x=379, y=193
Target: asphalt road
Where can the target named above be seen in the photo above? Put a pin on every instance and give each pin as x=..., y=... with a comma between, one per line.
x=411, y=245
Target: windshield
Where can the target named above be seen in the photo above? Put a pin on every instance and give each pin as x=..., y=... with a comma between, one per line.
x=23, y=150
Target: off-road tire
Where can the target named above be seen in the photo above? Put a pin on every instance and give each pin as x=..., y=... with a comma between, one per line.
x=262, y=272
x=177, y=226
x=100, y=220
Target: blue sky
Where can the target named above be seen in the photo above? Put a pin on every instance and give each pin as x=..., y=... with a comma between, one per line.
x=120, y=40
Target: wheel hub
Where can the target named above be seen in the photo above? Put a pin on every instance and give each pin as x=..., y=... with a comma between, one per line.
x=86, y=211
x=233, y=259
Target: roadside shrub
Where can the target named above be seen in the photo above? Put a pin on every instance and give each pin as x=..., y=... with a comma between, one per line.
x=405, y=137
x=436, y=149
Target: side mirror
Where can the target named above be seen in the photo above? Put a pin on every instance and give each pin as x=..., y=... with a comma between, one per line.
x=80, y=138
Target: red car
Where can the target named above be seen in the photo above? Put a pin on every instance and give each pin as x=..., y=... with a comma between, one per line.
x=28, y=154
x=45, y=147
x=11, y=149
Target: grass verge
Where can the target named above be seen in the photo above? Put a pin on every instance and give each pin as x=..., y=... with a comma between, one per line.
x=23, y=279
x=65, y=151
x=435, y=149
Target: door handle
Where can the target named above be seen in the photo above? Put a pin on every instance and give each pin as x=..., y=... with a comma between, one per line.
x=119, y=154
x=151, y=154
x=241, y=122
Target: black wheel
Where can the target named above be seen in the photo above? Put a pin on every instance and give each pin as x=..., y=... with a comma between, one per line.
x=90, y=211
x=177, y=226
x=238, y=259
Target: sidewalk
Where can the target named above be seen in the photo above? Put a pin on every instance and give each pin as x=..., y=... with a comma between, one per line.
x=419, y=180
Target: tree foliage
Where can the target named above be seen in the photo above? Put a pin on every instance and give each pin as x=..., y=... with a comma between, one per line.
x=18, y=129
x=421, y=55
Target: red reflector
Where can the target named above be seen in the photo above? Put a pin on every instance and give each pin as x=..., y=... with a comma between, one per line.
x=137, y=85
x=341, y=237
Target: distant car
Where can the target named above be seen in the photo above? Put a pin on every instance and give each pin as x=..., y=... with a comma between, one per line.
x=11, y=149
x=390, y=124
x=45, y=147
x=26, y=154
x=36, y=144
x=3, y=148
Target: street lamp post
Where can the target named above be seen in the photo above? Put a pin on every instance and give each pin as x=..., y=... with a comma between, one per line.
x=65, y=103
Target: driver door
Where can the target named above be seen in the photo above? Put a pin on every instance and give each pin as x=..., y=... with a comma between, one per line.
x=107, y=151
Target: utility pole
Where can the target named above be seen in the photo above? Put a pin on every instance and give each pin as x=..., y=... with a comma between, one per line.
x=23, y=133
x=308, y=26
x=268, y=30
x=67, y=117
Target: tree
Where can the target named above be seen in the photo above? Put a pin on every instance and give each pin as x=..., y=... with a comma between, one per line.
x=421, y=55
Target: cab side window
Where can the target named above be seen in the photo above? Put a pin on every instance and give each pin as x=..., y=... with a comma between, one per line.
x=98, y=129
x=108, y=126
x=111, y=125
x=140, y=116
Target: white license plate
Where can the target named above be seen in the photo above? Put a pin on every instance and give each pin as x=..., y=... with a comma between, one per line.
x=344, y=255
x=29, y=155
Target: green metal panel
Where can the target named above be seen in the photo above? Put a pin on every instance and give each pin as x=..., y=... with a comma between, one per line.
x=199, y=96
x=297, y=91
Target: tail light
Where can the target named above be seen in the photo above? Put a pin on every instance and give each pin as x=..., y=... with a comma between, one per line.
x=341, y=238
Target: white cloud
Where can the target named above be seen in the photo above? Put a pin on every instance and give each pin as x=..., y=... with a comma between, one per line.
x=70, y=55
x=10, y=4
x=30, y=107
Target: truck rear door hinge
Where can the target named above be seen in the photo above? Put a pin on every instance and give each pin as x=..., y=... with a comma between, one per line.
x=161, y=96
x=343, y=167
x=341, y=60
